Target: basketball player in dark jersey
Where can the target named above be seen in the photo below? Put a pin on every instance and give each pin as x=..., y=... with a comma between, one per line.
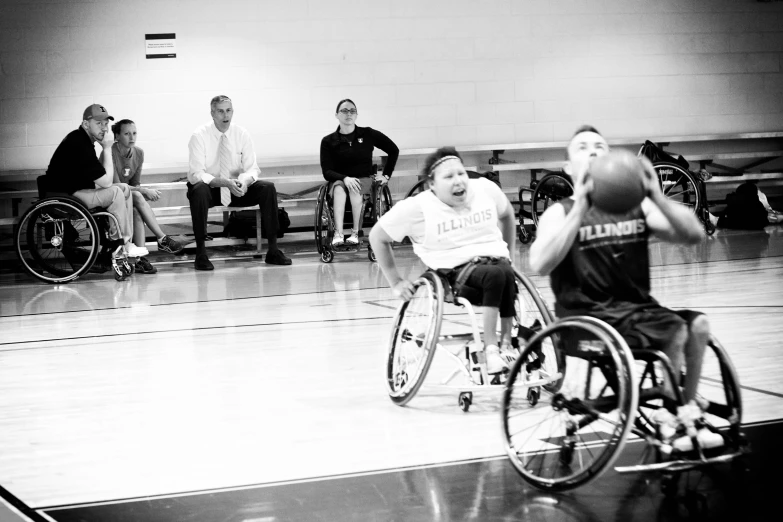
x=599, y=263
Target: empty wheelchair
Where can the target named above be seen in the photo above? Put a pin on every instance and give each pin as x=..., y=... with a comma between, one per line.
x=374, y=205
x=606, y=395
x=435, y=320
x=58, y=239
x=541, y=194
x=679, y=183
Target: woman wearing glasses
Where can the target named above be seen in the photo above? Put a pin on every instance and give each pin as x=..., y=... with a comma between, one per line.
x=346, y=161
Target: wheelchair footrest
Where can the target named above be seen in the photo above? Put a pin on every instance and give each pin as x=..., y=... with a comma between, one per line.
x=680, y=464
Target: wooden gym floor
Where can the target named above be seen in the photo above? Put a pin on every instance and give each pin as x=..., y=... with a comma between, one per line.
x=257, y=393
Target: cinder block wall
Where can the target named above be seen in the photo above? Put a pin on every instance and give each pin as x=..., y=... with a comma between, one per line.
x=425, y=72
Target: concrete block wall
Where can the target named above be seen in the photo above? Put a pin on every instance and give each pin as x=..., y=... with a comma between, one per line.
x=425, y=72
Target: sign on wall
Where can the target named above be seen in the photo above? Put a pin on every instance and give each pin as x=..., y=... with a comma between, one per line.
x=161, y=45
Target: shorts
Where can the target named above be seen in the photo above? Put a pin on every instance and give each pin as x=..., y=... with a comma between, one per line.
x=491, y=284
x=365, y=182
x=645, y=327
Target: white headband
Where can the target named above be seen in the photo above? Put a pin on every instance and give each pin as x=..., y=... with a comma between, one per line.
x=442, y=160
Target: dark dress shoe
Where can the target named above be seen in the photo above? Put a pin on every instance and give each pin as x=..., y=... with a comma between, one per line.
x=276, y=257
x=203, y=262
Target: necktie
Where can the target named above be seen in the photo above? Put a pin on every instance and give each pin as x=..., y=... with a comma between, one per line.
x=225, y=168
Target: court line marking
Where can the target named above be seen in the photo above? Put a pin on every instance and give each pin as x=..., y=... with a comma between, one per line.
x=193, y=329
x=323, y=478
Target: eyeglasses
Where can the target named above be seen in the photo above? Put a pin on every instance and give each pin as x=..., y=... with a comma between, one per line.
x=346, y=112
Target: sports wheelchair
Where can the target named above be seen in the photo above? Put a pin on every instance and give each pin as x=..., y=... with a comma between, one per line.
x=374, y=205
x=58, y=239
x=605, y=394
x=677, y=183
x=425, y=324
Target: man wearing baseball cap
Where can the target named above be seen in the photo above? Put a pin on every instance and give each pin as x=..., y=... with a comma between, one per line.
x=76, y=170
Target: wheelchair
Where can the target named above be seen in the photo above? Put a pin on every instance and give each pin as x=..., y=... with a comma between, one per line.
x=374, y=205
x=678, y=184
x=435, y=319
x=58, y=239
x=606, y=395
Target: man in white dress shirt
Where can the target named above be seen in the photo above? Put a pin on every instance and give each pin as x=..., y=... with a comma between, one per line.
x=223, y=171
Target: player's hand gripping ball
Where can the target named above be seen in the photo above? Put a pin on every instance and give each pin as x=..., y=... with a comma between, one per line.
x=618, y=182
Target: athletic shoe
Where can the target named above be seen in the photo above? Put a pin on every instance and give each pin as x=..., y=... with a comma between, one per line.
x=338, y=240
x=677, y=432
x=495, y=363
x=144, y=267
x=170, y=245
x=353, y=239
x=509, y=354
x=135, y=251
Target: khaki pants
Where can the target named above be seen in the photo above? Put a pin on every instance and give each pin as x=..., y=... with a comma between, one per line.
x=117, y=201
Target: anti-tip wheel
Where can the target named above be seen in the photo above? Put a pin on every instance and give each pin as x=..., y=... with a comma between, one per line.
x=533, y=394
x=465, y=400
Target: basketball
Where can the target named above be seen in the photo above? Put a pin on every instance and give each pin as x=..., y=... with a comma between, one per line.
x=618, y=182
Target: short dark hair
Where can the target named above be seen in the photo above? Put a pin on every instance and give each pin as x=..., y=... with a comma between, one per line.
x=435, y=157
x=343, y=101
x=580, y=130
x=585, y=128
x=220, y=98
x=117, y=127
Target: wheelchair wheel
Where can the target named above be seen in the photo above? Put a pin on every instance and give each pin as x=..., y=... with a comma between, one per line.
x=679, y=185
x=414, y=338
x=420, y=186
x=324, y=226
x=383, y=202
x=719, y=384
x=551, y=189
x=57, y=240
x=575, y=433
x=532, y=316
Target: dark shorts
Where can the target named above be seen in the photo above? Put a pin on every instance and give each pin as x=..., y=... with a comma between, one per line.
x=365, y=182
x=492, y=284
x=645, y=327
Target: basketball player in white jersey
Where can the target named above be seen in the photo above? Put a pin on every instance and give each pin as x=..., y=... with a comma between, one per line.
x=455, y=221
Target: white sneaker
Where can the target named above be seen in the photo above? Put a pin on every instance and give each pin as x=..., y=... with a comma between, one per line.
x=509, y=354
x=338, y=240
x=353, y=239
x=135, y=251
x=495, y=363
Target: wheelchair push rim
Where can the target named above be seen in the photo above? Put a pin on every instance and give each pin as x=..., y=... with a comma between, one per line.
x=413, y=339
x=574, y=434
x=57, y=240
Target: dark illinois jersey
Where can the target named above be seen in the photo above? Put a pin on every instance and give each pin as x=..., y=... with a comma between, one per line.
x=608, y=265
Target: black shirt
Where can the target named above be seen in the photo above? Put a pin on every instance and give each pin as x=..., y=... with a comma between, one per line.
x=74, y=165
x=351, y=154
x=607, y=268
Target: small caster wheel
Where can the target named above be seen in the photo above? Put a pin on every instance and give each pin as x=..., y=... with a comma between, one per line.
x=465, y=400
x=371, y=255
x=523, y=235
x=533, y=394
x=327, y=256
x=120, y=272
x=130, y=268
